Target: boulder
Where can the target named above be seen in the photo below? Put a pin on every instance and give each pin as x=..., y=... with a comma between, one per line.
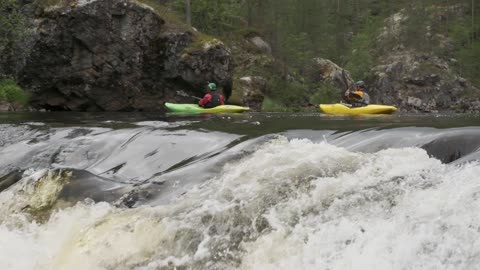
x=211, y=62
x=117, y=55
x=260, y=44
x=5, y=106
x=324, y=70
x=253, y=90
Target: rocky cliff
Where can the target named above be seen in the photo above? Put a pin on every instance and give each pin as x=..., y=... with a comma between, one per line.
x=418, y=73
x=417, y=82
x=115, y=55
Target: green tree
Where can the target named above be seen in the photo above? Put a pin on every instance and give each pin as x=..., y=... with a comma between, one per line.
x=215, y=17
x=12, y=31
x=12, y=24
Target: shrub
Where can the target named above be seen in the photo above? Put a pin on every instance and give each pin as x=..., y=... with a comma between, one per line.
x=270, y=105
x=11, y=92
x=325, y=93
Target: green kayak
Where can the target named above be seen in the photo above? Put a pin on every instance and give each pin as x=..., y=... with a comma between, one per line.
x=194, y=108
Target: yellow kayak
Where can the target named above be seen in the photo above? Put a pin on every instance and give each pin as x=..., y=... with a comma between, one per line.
x=339, y=108
x=194, y=108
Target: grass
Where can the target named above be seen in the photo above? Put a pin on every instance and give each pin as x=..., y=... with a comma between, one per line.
x=172, y=21
x=199, y=42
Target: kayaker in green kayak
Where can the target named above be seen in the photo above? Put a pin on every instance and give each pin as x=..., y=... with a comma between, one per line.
x=212, y=98
x=357, y=97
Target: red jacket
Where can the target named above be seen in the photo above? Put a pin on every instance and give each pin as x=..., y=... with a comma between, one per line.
x=204, y=102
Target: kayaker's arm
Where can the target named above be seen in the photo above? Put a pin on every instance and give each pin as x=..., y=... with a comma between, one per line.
x=205, y=100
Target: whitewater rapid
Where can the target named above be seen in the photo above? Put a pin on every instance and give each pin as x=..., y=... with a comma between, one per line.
x=276, y=202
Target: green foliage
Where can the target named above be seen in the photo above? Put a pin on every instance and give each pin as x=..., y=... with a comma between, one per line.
x=361, y=59
x=213, y=17
x=172, y=20
x=247, y=32
x=270, y=105
x=11, y=92
x=296, y=49
x=325, y=93
x=290, y=93
x=466, y=38
x=12, y=24
x=468, y=58
x=200, y=42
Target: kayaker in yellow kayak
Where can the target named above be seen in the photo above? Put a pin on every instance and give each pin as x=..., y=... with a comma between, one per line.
x=357, y=97
x=212, y=98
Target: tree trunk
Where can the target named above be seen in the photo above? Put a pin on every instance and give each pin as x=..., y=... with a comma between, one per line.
x=188, y=13
x=473, y=21
x=249, y=13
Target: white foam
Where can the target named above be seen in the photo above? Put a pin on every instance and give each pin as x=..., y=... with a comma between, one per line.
x=326, y=207
x=161, y=124
x=427, y=225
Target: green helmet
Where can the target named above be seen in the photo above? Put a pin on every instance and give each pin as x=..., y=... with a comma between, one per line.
x=212, y=86
x=360, y=84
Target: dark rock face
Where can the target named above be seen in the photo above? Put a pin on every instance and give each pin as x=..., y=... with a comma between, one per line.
x=421, y=83
x=117, y=56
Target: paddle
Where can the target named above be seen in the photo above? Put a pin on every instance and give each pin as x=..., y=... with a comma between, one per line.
x=183, y=94
x=345, y=81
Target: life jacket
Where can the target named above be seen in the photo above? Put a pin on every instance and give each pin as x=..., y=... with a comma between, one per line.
x=356, y=98
x=357, y=95
x=359, y=98
x=215, y=101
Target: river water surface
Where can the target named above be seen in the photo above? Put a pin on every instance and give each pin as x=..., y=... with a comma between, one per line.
x=246, y=191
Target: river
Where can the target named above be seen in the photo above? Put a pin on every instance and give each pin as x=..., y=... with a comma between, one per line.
x=246, y=191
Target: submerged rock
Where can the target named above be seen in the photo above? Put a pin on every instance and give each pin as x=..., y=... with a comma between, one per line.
x=117, y=56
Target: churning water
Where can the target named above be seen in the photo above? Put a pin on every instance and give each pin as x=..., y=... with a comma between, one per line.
x=240, y=192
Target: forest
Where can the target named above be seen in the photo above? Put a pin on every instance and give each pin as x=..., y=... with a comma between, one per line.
x=300, y=29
